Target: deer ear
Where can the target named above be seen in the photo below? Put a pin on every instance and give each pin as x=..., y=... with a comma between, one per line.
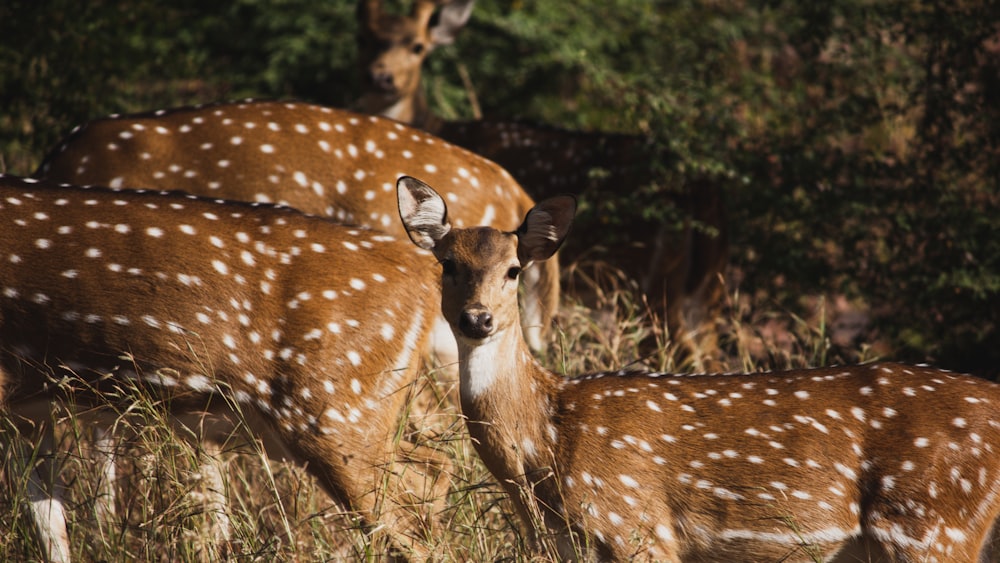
x=453, y=16
x=423, y=212
x=545, y=228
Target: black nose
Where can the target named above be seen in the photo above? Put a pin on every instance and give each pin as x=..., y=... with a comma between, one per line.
x=383, y=79
x=476, y=322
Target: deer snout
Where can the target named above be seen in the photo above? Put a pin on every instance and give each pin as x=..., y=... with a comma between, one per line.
x=382, y=78
x=476, y=322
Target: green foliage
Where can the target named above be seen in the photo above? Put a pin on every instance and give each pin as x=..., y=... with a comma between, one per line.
x=854, y=137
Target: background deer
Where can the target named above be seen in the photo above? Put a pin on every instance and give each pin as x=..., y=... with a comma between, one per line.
x=678, y=270
x=392, y=50
x=233, y=316
x=319, y=160
x=870, y=462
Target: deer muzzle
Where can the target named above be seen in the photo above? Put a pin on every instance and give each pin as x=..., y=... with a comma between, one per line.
x=476, y=321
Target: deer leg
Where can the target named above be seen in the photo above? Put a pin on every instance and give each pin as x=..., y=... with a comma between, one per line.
x=45, y=494
x=104, y=456
x=212, y=468
x=369, y=485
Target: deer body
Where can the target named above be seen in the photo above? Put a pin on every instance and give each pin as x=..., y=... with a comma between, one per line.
x=232, y=314
x=319, y=160
x=882, y=461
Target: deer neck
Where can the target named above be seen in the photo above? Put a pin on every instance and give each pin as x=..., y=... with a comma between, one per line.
x=411, y=110
x=507, y=399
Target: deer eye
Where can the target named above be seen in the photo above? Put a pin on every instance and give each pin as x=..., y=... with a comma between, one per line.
x=448, y=266
x=417, y=49
x=513, y=272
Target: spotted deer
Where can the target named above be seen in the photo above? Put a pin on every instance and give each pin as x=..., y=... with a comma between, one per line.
x=233, y=316
x=392, y=49
x=320, y=160
x=678, y=270
x=869, y=462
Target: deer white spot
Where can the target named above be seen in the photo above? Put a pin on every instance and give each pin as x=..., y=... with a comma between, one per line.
x=154, y=232
x=122, y=229
x=802, y=394
x=628, y=481
x=387, y=332
x=199, y=383
x=407, y=154
x=187, y=229
x=267, y=149
x=357, y=284
x=220, y=267
x=921, y=442
x=354, y=358
x=93, y=253
x=43, y=243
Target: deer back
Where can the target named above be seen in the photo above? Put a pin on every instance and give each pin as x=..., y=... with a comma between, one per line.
x=320, y=160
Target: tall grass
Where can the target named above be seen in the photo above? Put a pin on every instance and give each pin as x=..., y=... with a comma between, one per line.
x=276, y=510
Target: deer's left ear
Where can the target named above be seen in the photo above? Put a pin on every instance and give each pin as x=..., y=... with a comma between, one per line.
x=423, y=212
x=545, y=228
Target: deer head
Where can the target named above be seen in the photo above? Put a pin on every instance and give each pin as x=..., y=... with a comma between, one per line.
x=393, y=48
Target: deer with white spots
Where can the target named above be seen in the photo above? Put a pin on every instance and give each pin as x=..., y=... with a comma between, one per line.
x=236, y=315
x=880, y=462
x=678, y=270
x=316, y=159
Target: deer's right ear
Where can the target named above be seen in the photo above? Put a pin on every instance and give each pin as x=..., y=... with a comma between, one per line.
x=423, y=212
x=452, y=17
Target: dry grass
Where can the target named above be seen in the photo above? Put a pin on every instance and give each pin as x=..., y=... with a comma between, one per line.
x=276, y=510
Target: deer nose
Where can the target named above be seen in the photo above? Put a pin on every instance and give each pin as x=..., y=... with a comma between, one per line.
x=383, y=79
x=476, y=322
